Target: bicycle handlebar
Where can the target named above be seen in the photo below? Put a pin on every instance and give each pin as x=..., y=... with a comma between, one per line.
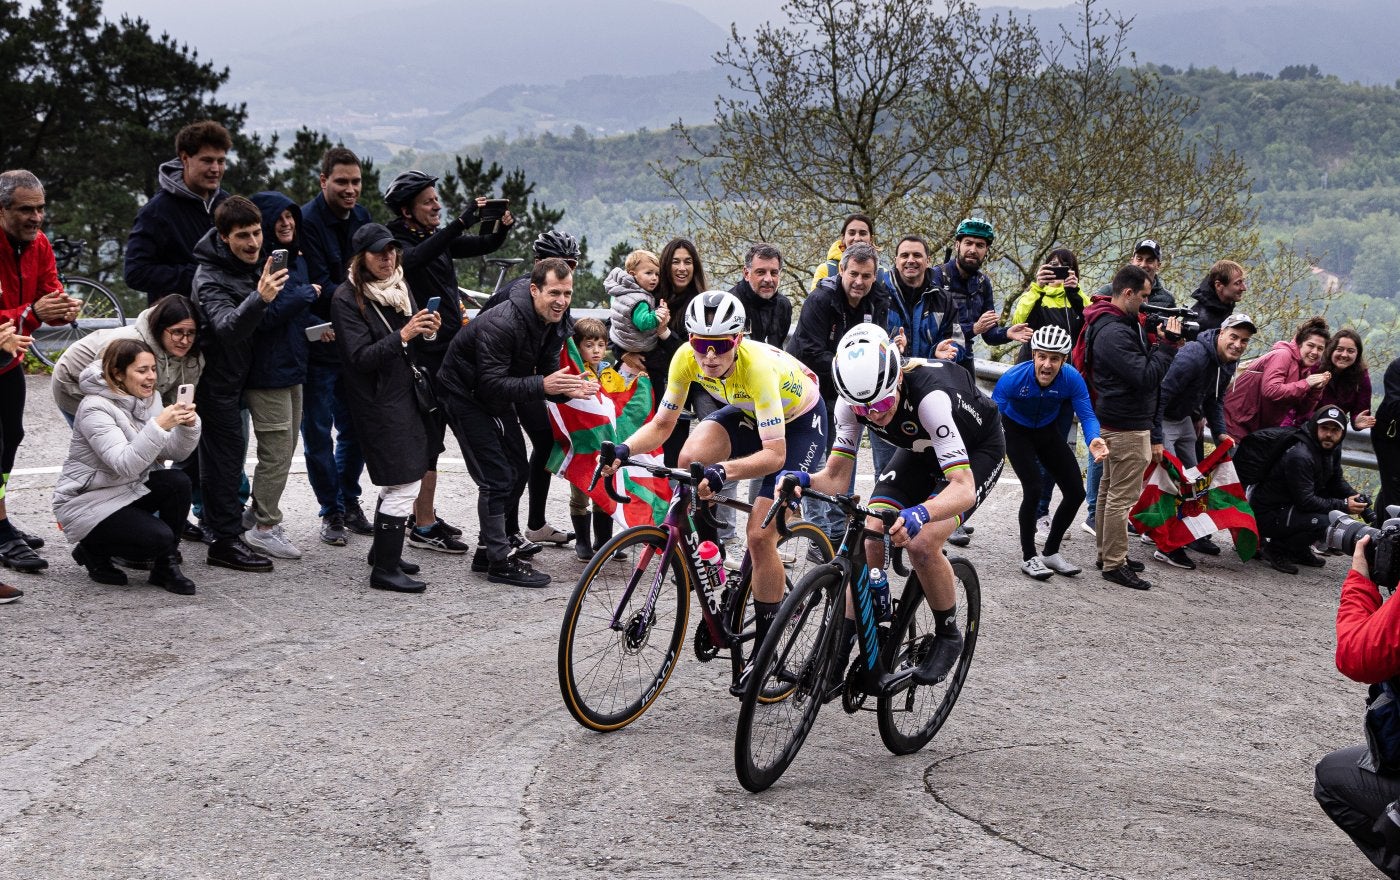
x=607, y=454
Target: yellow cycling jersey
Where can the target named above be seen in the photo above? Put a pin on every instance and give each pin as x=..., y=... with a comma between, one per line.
x=769, y=384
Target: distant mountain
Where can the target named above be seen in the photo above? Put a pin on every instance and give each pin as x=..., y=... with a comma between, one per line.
x=1352, y=39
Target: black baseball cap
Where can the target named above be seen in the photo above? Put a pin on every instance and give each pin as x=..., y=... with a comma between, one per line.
x=372, y=237
x=1150, y=245
x=1331, y=413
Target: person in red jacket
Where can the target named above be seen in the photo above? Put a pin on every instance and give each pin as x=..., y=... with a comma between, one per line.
x=1364, y=803
x=30, y=295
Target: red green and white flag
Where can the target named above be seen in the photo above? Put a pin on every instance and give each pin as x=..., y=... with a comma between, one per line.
x=1180, y=504
x=580, y=428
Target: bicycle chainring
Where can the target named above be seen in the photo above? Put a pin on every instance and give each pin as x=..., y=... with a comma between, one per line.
x=704, y=646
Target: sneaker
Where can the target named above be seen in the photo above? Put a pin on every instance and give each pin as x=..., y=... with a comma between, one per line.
x=34, y=541
x=548, y=534
x=436, y=538
x=9, y=594
x=481, y=563
x=960, y=537
x=1204, y=545
x=250, y=519
x=1060, y=565
x=733, y=555
x=1034, y=568
x=355, y=519
x=333, y=529
x=1132, y=563
x=1042, y=526
x=1124, y=576
x=1277, y=558
x=1088, y=526
x=517, y=573
x=787, y=557
x=524, y=548
x=1144, y=539
x=272, y=542
x=815, y=555
x=451, y=529
x=1178, y=558
x=1304, y=555
x=1132, y=529
x=947, y=648
x=16, y=554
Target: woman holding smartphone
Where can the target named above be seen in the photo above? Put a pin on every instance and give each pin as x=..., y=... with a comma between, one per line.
x=378, y=332
x=112, y=481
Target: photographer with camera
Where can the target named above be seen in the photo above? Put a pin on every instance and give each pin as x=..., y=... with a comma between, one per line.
x=1357, y=787
x=1291, y=505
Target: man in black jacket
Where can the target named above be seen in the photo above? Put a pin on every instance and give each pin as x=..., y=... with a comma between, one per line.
x=429, y=249
x=834, y=306
x=1218, y=293
x=232, y=290
x=1125, y=373
x=1291, y=504
x=769, y=310
x=159, y=256
x=508, y=356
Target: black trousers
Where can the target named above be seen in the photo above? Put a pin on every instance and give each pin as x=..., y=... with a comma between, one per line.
x=1030, y=449
x=1288, y=524
x=534, y=418
x=12, y=394
x=1355, y=798
x=221, y=450
x=132, y=531
x=495, y=454
x=1385, y=439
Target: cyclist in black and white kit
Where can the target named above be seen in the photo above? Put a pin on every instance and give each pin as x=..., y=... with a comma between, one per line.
x=949, y=455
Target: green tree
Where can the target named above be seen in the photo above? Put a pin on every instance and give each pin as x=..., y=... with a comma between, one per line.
x=920, y=116
x=92, y=107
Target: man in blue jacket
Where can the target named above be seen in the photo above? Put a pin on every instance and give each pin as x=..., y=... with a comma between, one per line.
x=159, y=256
x=333, y=466
x=1196, y=382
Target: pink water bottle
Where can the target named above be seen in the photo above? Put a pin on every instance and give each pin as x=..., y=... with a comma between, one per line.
x=709, y=554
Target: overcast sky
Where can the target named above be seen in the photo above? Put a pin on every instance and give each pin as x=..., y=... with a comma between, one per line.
x=211, y=32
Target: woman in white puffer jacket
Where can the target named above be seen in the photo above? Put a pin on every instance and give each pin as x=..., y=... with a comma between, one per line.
x=112, y=481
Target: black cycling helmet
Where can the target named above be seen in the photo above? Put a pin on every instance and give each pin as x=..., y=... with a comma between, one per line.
x=555, y=243
x=405, y=187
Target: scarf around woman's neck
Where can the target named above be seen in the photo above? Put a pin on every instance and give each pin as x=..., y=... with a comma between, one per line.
x=391, y=292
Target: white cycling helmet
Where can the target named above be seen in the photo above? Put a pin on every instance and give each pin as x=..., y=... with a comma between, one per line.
x=866, y=365
x=715, y=313
x=1052, y=339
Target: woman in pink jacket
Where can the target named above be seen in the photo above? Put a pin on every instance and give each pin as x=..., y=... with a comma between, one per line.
x=1283, y=386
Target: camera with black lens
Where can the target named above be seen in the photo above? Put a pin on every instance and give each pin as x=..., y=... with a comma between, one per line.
x=1382, y=554
x=1158, y=315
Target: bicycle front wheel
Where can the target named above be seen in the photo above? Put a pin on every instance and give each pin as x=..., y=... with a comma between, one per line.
x=911, y=717
x=615, y=655
x=792, y=660
x=100, y=311
x=805, y=547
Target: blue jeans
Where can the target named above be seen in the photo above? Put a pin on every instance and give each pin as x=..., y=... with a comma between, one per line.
x=1093, y=472
x=332, y=467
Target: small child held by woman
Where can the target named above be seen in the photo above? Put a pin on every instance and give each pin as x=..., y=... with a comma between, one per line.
x=638, y=321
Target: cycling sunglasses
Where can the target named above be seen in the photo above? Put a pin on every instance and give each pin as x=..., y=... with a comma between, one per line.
x=878, y=408
x=720, y=346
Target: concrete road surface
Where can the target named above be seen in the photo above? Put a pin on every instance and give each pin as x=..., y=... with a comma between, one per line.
x=299, y=724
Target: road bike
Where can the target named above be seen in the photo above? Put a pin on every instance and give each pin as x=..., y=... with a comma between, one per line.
x=625, y=623
x=101, y=310
x=803, y=643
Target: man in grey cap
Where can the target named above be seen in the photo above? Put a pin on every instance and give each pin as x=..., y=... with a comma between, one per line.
x=1196, y=382
x=1291, y=504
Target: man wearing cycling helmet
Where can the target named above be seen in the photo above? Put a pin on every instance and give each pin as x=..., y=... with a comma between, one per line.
x=949, y=457
x=1031, y=397
x=772, y=419
x=429, y=249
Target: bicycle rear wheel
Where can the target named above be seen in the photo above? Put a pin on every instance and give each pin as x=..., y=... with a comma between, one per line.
x=609, y=674
x=792, y=659
x=807, y=546
x=100, y=311
x=911, y=717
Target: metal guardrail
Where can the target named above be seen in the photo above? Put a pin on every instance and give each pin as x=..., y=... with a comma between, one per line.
x=1356, y=446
